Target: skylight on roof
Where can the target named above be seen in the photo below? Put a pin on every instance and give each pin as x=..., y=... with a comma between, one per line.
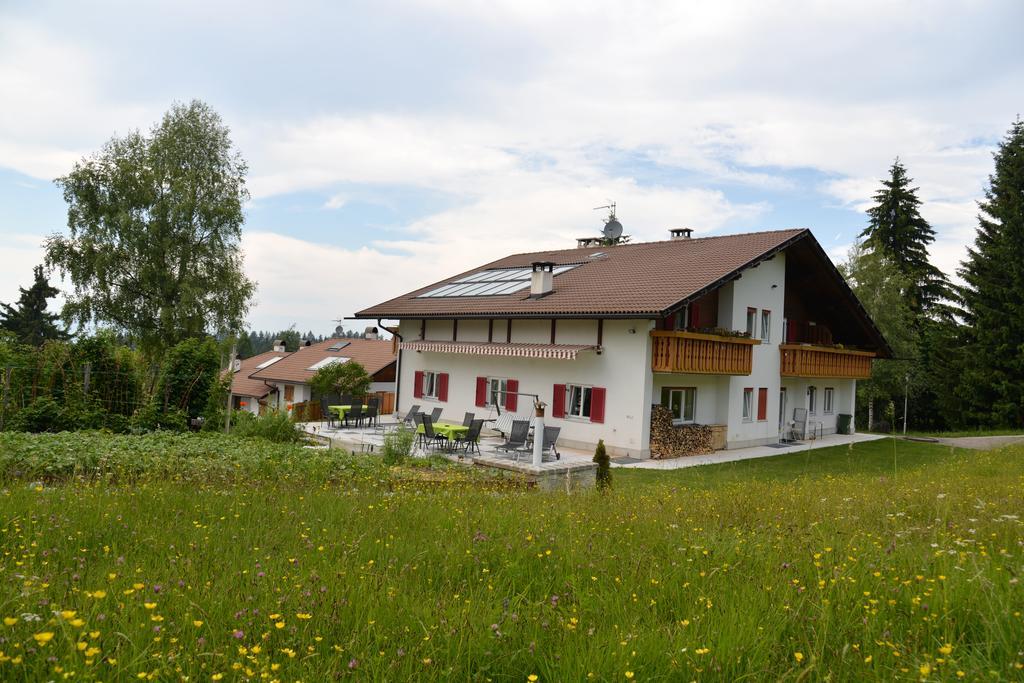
x=268, y=363
x=338, y=347
x=492, y=282
x=330, y=360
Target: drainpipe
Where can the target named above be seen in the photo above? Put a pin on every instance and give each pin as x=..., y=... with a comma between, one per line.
x=398, y=362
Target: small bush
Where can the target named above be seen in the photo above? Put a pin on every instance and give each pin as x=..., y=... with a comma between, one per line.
x=276, y=426
x=150, y=418
x=42, y=415
x=398, y=445
x=604, y=469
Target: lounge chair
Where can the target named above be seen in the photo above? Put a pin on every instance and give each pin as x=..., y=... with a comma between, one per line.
x=517, y=436
x=409, y=417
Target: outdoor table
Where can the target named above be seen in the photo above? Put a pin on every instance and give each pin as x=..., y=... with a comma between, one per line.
x=449, y=431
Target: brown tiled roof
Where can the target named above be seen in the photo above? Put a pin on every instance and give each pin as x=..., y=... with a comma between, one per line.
x=372, y=354
x=644, y=279
x=242, y=385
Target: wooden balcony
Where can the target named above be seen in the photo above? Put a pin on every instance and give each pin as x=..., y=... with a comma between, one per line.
x=799, y=360
x=701, y=354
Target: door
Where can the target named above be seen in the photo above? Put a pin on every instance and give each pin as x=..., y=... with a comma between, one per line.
x=782, y=411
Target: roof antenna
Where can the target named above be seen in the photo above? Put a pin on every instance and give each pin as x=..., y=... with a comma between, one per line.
x=612, y=230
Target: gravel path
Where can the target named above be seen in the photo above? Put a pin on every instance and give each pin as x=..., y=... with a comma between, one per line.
x=982, y=443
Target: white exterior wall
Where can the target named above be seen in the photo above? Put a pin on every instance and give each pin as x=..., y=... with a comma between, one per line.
x=623, y=369
x=755, y=290
x=712, y=394
x=302, y=393
x=844, y=400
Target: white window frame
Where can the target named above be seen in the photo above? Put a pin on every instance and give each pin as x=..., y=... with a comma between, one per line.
x=585, y=390
x=430, y=384
x=766, y=326
x=497, y=387
x=751, y=321
x=828, y=401
x=748, y=404
x=812, y=400
x=682, y=393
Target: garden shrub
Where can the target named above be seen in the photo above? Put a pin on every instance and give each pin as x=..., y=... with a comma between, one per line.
x=398, y=445
x=41, y=415
x=276, y=426
x=604, y=469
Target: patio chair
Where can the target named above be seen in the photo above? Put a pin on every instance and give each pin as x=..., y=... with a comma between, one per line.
x=429, y=437
x=373, y=401
x=470, y=440
x=467, y=419
x=550, y=437
x=410, y=416
x=345, y=400
x=355, y=414
x=799, y=428
x=517, y=436
x=435, y=414
x=370, y=415
x=325, y=412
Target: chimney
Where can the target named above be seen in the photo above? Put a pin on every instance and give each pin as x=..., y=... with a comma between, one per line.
x=279, y=346
x=680, y=233
x=371, y=333
x=541, y=281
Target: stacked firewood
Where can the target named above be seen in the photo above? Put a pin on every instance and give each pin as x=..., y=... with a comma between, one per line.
x=674, y=441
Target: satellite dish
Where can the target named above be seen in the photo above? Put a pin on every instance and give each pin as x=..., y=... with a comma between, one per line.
x=237, y=365
x=612, y=229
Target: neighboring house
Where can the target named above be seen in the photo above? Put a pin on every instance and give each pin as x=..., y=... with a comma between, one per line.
x=737, y=331
x=291, y=374
x=250, y=394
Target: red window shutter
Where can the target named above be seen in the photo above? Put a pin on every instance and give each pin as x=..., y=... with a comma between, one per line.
x=442, y=387
x=417, y=384
x=597, y=395
x=511, y=398
x=695, y=315
x=558, y=401
x=762, y=403
x=481, y=392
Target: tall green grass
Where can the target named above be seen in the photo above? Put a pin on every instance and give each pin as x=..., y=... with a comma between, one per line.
x=801, y=567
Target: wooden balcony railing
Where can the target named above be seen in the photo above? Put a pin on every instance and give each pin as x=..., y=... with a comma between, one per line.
x=702, y=354
x=799, y=360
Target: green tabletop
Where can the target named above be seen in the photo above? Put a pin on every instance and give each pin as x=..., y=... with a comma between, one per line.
x=342, y=411
x=447, y=430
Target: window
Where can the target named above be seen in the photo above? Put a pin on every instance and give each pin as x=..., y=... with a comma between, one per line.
x=812, y=400
x=748, y=404
x=681, y=402
x=828, y=400
x=330, y=360
x=268, y=363
x=492, y=282
x=751, y=321
x=577, y=400
x=429, y=385
x=766, y=326
x=496, y=388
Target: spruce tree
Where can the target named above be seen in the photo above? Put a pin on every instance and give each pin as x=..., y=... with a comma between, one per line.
x=897, y=229
x=28, y=319
x=992, y=383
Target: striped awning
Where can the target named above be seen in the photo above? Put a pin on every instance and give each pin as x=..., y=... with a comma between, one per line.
x=549, y=351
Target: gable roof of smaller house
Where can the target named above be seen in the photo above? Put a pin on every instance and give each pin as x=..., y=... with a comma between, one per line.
x=373, y=354
x=243, y=385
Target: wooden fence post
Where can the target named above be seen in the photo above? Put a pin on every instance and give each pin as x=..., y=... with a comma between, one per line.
x=88, y=376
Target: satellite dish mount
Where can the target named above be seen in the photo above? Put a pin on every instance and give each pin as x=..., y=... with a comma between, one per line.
x=612, y=230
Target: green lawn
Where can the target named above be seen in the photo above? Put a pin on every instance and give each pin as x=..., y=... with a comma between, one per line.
x=886, y=560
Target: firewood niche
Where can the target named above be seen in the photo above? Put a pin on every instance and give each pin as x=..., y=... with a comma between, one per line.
x=675, y=441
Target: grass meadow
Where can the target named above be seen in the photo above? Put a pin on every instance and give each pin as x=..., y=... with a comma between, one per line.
x=202, y=558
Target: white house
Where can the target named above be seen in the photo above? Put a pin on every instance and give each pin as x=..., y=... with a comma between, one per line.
x=738, y=331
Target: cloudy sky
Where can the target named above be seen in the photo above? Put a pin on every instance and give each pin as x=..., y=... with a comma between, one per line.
x=393, y=143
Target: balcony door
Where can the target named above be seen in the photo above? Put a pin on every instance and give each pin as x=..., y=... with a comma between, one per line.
x=782, y=411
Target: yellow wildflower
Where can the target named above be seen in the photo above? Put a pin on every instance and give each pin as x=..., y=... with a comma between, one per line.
x=44, y=637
